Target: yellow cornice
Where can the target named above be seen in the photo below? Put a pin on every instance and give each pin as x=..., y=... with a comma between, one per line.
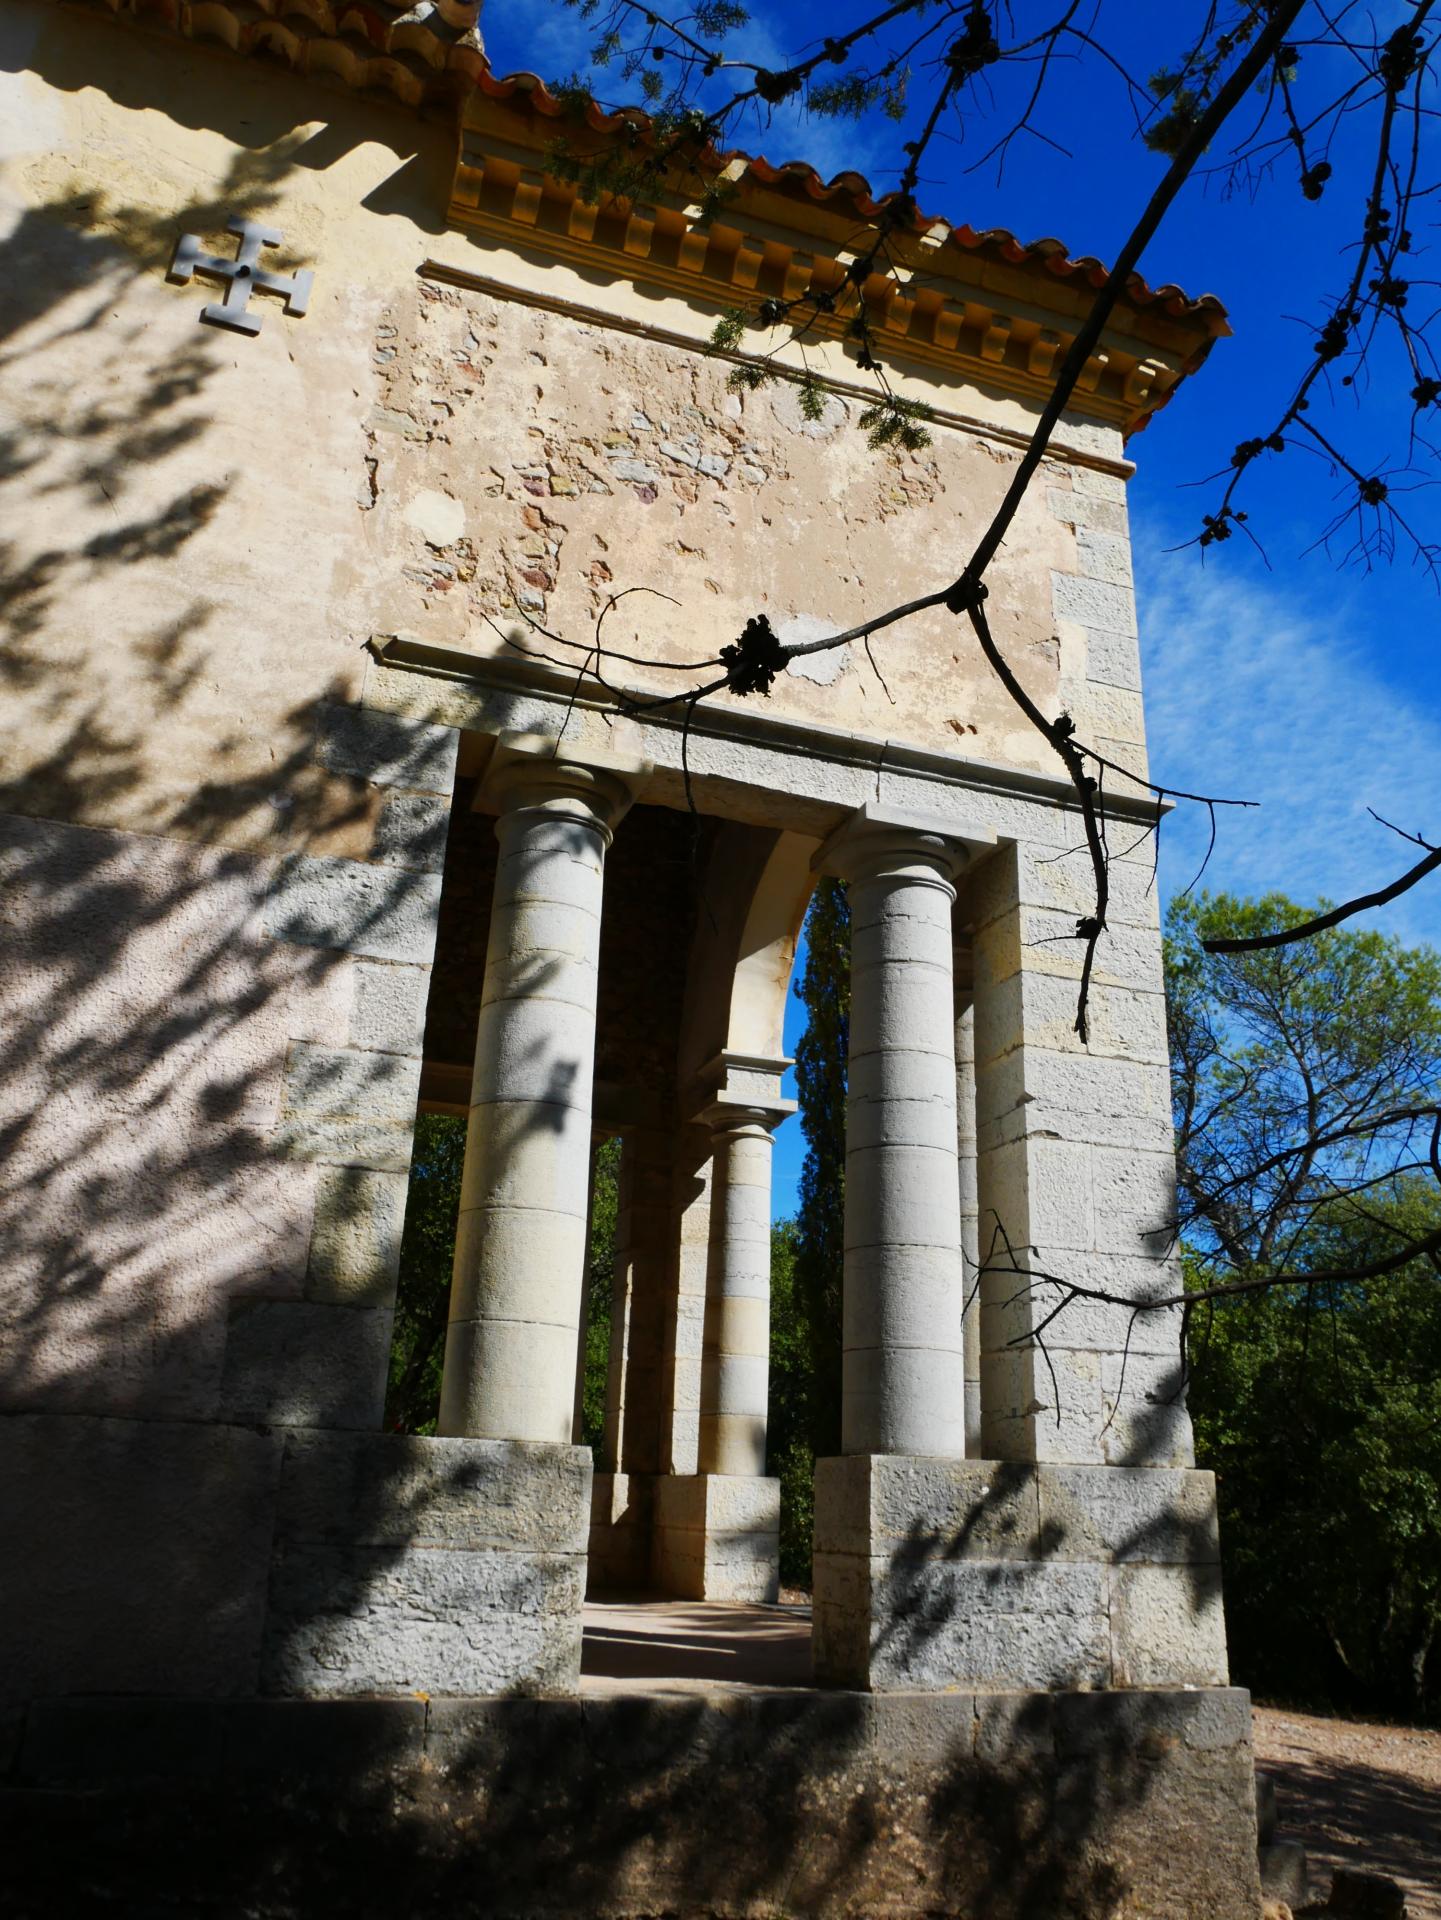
x=1003, y=324
x=979, y=307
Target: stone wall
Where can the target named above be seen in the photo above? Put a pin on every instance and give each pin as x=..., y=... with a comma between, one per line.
x=608, y=463
x=250, y=1561
x=736, y=1806
x=209, y=1075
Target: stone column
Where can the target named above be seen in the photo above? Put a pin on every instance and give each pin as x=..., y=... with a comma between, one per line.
x=620, y=1536
x=903, y=1396
x=970, y=1203
x=638, y=1299
x=687, y=1259
x=718, y=1531
x=1079, y=1553
x=903, y=1366
x=521, y=1240
x=735, y=1355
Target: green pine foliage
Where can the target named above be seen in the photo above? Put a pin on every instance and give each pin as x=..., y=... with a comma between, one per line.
x=894, y=422
x=427, y=1251
x=1320, y=1412
x=825, y=988
x=789, y=1454
x=806, y=1252
x=1318, y=1407
x=600, y=1282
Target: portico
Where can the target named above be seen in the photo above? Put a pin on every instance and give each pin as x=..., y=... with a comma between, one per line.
x=964, y=1188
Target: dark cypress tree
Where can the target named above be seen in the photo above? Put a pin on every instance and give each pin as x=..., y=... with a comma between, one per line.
x=825, y=989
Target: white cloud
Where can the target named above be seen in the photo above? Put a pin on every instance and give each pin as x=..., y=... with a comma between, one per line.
x=1252, y=692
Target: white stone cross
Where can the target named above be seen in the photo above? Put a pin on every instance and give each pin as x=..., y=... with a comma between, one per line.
x=243, y=276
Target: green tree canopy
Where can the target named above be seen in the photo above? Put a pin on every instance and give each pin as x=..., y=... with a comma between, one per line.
x=825, y=989
x=1304, y=1078
x=1306, y=1083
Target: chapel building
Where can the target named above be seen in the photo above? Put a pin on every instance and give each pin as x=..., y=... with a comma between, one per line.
x=336, y=426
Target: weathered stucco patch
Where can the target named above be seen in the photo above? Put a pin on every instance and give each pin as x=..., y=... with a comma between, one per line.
x=437, y=517
x=822, y=669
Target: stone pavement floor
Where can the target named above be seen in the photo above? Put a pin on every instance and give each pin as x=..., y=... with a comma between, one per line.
x=693, y=1646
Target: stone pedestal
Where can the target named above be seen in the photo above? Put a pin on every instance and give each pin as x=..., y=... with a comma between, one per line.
x=238, y=1562
x=987, y=1574
x=403, y=1565
x=621, y=1506
x=717, y=1537
x=991, y=1806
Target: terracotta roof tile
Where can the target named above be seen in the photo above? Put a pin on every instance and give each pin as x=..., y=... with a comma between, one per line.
x=429, y=52
x=850, y=194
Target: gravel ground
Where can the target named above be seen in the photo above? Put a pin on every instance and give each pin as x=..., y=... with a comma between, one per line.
x=1359, y=1795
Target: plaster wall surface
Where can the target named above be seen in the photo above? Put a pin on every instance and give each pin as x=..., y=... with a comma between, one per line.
x=215, y=525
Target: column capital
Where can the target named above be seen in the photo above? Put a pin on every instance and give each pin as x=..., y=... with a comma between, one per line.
x=741, y=1089
x=531, y=769
x=877, y=842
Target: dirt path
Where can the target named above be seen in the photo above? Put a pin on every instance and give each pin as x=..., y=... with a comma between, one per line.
x=1359, y=1795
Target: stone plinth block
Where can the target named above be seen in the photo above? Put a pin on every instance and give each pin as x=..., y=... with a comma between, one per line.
x=620, y=1532
x=716, y=1537
x=438, y=1566
x=812, y=1803
x=989, y=1574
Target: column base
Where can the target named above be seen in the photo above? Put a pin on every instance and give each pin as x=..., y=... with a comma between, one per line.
x=621, y=1517
x=716, y=1537
x=933, y=1574
x=435, y=1566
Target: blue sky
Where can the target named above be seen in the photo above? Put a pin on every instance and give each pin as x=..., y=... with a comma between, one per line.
x=1311, y=687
